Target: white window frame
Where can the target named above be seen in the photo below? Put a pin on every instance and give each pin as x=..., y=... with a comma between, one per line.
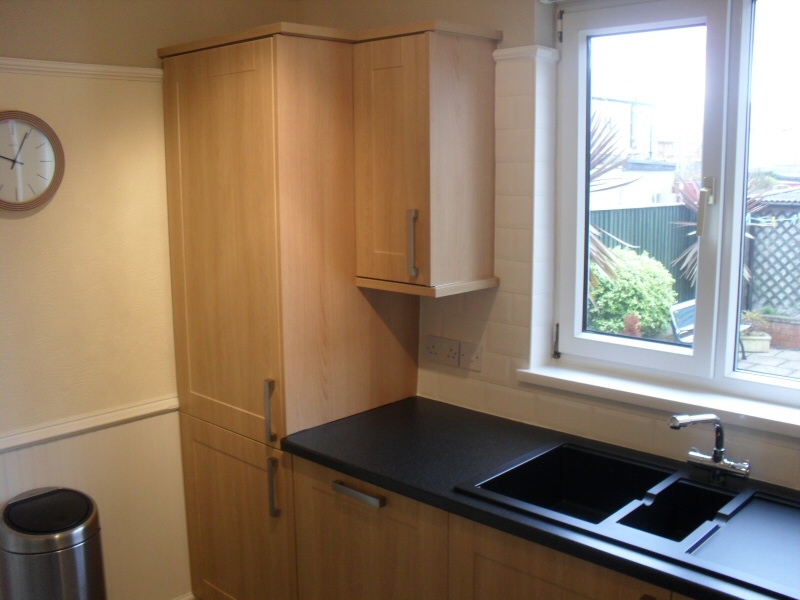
x=685, y=379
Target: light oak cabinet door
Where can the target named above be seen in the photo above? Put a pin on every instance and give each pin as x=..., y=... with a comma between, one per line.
x=223, y=233
x=240, y=515
x=424, y=122
x=486, y=564
x=356, y=541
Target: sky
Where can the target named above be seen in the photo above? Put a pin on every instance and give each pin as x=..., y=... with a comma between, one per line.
x=666, y=68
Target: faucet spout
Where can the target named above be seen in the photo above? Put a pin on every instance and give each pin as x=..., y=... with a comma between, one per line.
x=681, y=421
x=717, y=458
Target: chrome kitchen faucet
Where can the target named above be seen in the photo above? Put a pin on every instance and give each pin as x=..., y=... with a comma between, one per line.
x=716, y=461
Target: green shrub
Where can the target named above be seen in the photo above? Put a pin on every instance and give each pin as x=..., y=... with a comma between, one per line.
x=642, y=287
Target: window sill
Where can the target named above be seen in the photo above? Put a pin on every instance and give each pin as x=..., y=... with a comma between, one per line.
x=663, y=396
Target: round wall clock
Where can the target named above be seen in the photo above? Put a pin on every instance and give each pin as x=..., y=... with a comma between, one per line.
x=31, y=161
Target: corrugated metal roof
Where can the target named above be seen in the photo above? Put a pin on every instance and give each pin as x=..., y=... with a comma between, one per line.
x=789, y=196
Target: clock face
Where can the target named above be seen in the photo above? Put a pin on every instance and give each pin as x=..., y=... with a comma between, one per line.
x=31, y=161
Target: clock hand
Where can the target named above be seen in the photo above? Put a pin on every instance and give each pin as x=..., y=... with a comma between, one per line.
x=10, y=159
x=14, y=162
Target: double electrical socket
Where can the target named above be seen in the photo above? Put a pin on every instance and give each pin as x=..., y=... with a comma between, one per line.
x=453, y=353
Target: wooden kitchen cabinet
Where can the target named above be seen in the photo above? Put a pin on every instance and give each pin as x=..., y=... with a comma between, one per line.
x=486, y=564
x=424, y=123
x=271, y=336
x=240, y=515
x=356, y=541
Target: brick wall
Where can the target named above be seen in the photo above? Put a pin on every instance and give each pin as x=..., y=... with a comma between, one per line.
x=785, y=331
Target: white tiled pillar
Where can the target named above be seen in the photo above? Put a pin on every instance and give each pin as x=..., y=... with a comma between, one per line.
x=500, y=319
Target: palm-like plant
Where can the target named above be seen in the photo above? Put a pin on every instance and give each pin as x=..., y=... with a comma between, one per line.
x=605, y=156
x=688, y=260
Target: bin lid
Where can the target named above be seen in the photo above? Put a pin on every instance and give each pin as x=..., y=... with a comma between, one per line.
x=52, y=512
x=46, y=520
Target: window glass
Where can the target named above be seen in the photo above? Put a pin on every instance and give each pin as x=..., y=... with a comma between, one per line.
x=646, y=101
x=769, y=336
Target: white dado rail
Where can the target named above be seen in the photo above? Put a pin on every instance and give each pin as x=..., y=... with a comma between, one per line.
x=86, y=423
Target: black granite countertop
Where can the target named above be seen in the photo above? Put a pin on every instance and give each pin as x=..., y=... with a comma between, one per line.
x=423, y=448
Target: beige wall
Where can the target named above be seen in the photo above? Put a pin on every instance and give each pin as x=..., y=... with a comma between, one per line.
x=85, y=318
x=87, y=373
x=128, y=32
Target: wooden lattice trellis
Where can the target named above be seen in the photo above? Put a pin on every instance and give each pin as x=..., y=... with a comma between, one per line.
x=775, y=260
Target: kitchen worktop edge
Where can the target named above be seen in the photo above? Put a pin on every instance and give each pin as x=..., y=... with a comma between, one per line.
x=422, y=448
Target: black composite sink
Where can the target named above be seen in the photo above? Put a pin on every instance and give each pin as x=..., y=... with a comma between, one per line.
x=570, y=480
x=751, y=538
x=678, y=510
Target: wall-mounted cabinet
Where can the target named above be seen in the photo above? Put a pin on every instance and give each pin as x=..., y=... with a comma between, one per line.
x=424, y=106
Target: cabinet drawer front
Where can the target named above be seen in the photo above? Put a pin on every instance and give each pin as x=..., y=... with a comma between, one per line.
x=358, y=541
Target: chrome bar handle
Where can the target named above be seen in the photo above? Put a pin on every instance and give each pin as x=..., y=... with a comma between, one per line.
x=706, y=198
x=375, y=501
x=269, y=387
x=411, y=218
x=272, y=465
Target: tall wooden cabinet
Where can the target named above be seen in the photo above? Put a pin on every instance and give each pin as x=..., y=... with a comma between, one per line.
x=271, y=334
x=424, y=105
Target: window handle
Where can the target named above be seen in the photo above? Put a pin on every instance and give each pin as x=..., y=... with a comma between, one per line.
x=706, y=199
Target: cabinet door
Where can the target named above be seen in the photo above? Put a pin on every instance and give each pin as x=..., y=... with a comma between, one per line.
x=359, y=542
x=240, y=548
x=223, y=246
x=486, y=564
x=392, y=125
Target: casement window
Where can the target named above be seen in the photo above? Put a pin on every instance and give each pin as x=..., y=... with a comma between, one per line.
x=677, y=234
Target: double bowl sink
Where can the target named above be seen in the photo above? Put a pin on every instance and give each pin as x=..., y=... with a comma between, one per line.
x=730, y=529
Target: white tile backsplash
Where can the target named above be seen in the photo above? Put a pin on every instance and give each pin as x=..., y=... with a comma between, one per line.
x=514, y=145
x=500, y=319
